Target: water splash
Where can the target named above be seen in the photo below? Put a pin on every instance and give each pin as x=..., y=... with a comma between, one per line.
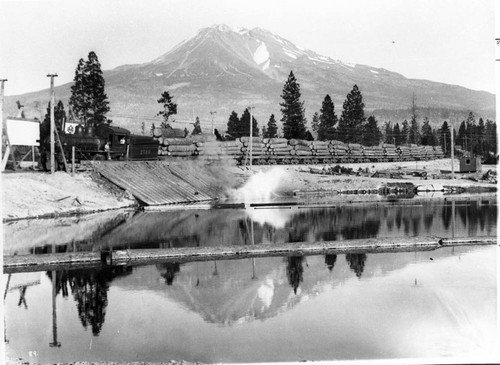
x=260, y=187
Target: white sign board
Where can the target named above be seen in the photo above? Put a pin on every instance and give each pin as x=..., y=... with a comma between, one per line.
x=23, y=132
x=70, y=128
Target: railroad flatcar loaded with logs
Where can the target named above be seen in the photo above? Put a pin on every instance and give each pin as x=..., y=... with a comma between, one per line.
x=115, y=143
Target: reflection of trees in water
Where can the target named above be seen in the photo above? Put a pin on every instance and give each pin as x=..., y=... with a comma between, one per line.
x=446, y=215
x=295, y=271
x=330, y=261
x=416, y=224
x=367, y=229
x=428, y=220
x=399, y=218
x=356, y=262
x=90, y=291
x=475, y=215
x=168, y=271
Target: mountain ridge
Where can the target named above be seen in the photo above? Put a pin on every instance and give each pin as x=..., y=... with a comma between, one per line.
x=224, y=69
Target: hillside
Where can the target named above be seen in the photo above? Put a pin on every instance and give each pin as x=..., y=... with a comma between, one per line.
x=223, y=69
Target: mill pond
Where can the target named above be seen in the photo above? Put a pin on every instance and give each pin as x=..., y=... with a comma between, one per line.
x=417, y=303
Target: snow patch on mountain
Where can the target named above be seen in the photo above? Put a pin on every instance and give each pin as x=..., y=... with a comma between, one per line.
x=290, y=54
x=261, y=54
x=178, y=85
x=265, y=66
x=372, y=71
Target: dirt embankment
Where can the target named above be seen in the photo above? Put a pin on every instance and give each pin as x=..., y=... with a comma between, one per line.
x=38, y=194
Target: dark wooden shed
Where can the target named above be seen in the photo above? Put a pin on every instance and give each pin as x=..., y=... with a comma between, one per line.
x=470, y=164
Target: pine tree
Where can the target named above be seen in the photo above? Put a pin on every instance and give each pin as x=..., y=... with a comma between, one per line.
x=78, y=101
x=353, y=117
x=491, y=138
x=264, y=132
x=472, y=135
x=462, y=136
x=414, y=135
x=396, y=133
x=59, y=120
x=292, y=110
x=388, y=130
x=315, y=122
x=427, y=138
x=327, y=120
x=481, y=136
x=99, y=104
x=245, y=124
x=309, y=136
x=88, y=99
x=405, y=132
x=372, y=134
x=445, y=138
x=272, y=128
x=197, y=127
x=233, y=125
x=169, y=109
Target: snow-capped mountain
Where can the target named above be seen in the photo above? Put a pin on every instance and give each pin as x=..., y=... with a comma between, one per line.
x=224, y=69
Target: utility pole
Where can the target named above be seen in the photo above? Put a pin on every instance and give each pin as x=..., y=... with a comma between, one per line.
x=251, y=135
x=212, y=114
x=452, y=153
x=2, y=88
x=52, y=123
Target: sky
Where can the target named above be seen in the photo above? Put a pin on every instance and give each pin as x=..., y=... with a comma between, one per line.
x=450, y=41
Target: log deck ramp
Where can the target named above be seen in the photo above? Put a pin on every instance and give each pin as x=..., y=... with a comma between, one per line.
x=160, y=182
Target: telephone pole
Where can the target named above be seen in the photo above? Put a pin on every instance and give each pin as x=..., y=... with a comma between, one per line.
x=212, y=114
x=2, y=88
x=52, y=123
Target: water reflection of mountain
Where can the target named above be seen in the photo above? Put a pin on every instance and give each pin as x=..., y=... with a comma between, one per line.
x=229, y=292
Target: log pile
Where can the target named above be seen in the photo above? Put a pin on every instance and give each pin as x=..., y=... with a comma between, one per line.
x=177, y=147
x=374, y=153
x=417, y=152
x=438, y=152
x=356, y=151
x=390, y=151
x=404, y=153
x=339, y=149
x=293, y=151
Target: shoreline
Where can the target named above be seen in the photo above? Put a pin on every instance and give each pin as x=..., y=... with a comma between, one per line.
x=38, y=195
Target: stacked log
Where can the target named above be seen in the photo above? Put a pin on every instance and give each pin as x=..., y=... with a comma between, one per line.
x=390, y=152
x=320, y=148
x=429, y=152
x=177, y=147
x=438, y=152
x=300, y=151
x=404, y=153
x=356, y=151
x=374, y=153
x=417, y=152
x=339, y=150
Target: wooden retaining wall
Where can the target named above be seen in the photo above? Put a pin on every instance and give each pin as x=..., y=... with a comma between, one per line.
x=159, y=182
